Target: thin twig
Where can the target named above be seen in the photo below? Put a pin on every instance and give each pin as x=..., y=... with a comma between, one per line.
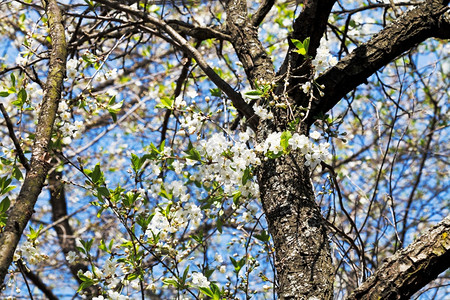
x=13, y=137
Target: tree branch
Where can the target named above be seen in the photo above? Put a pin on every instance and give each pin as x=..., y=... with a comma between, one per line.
x=178, y=41
x=252, y=54
x=13, y=137
x=417, y=25
x=21, y=211
x=262, y=11
x=64, y=231
x=410, y=269
x=37, y=281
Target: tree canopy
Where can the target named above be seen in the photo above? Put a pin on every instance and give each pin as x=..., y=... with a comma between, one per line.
x=229, y=149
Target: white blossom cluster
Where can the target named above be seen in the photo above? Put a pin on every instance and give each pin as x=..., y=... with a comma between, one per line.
x=323, y=59
x=71, y=68
x=192, y=122
x=314, y=154
x=199, y=280
x=178, y=218
x=262, y=113
x=321, y=62
x=68, y=129
x=227, y=162
x=29, y=252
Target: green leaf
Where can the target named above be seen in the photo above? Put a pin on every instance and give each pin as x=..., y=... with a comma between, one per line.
x=285, y=137
x=217, y=294
x=4, y=205
x=237, y=264
x=193, y=153
x=166, y=102
x=198, y=238
x=5, y=186
x=136, y=162
x=87, y=245
x=3, y=218
x=85, y=284
x=302, y=48
x=102, y=245
x=253, y=94
x=306, y=44
x=114, y=108
x=206, y=291
x=132, y=276
x=185, y=274
x=96, y=175
x=247, y=175
x=264, y=236
x=4, y=94
x=103, y=191
x=22, y=96
x=16, y=173
x=33, y=235
x=171, y=281
x=13, y=80
x=216, y=92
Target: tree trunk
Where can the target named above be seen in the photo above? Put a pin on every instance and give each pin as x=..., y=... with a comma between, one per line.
x=20, y=213
x=303, y=260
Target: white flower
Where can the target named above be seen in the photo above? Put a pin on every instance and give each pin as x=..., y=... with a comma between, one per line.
x=199, y=280
x=111, y=74
x=71, y=66
x=71, y=257
x=156, y=170
x=263, y=113
x=78, y=125
x=88, y=274
x=218, y=258
x=158, y=223
x=315, y=135
x=177, y=166
x=35, y=89
x=20, y=60
x=179, y=102
x=301, y=142
x=109, y=268
x=192, y=93
x=306, y=87
x=116, y=296
x=66, y=129
x=65, y=116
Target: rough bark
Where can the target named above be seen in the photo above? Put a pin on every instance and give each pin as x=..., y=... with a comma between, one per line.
x=252, y=54
x=410, y=269
x=21, y=211
x=303, y=260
